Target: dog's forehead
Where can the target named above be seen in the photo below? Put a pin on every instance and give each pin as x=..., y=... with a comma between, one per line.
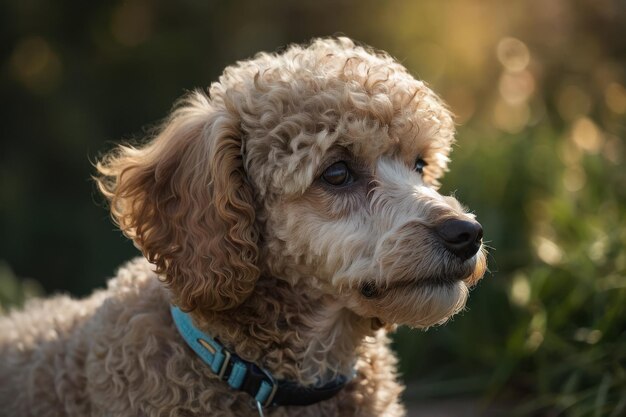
x=297, y=108
x=290, y=165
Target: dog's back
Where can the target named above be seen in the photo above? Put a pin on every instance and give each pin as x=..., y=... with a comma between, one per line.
x=49, y=348
x=43, y=355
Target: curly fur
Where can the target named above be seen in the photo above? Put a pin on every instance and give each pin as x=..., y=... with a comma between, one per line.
x=236, y=226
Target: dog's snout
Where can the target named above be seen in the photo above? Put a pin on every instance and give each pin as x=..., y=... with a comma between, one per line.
x=461, y=237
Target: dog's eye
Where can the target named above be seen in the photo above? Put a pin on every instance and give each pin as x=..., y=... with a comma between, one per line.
x=419, y=165
x=338, y=174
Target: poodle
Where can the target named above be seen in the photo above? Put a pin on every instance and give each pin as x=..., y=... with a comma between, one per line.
x=288, y=220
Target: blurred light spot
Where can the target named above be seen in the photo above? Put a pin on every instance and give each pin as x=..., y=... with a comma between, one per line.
x=537, y=328
x=598, y=249
x=462, y=103
x=534, y=340
x=516, y=87
x=613, y=150
x=574, y=178
x=520, y=290
x=36, y=65
x=545, y=229
x=615, y=98
x=513, y=54
x=573, y=102
x=548, y=251
x=587, y=136
x=538, y=321
x=569, y=152
x=591, y=336
x=131, y=23
x=511, y=118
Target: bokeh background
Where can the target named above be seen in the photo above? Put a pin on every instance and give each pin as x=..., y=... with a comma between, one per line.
x=539, y=90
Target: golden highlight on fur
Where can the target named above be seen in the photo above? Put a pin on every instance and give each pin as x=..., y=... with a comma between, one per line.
x=237, y=224
x=184, y=200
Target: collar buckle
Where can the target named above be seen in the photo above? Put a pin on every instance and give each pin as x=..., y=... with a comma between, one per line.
x=263, y=388
x=224, y=367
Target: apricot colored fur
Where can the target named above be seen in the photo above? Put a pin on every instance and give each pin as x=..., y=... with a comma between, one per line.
x=236, y=225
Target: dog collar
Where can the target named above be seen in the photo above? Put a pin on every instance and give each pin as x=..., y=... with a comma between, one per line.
x=247, y=376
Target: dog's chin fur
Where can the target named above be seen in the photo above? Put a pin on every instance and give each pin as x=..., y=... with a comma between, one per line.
x=420, y=306
x=412, y=304
x=239, y=223
x=419, y=303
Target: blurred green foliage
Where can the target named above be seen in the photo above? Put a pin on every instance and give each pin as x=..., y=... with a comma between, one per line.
x=13, y=291
x=539, y=90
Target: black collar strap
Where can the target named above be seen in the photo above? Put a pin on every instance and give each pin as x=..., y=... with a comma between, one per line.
x=247, y=376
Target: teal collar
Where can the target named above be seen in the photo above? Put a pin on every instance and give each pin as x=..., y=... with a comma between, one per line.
x=246, y=376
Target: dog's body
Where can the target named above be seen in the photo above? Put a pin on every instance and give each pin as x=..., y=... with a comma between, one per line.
x=117, y=353
x=293, y=213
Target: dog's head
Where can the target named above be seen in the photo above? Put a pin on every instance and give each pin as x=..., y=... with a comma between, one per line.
x=318, y=166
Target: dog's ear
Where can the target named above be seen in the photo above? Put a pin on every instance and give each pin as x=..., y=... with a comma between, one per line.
x=186, y=202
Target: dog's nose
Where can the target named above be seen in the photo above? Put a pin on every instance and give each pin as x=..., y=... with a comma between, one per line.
x=461, y=237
